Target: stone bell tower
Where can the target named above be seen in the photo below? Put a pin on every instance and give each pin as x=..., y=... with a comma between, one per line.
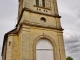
x=38, y=34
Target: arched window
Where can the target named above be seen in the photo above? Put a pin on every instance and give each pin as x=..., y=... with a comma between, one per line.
x=37, y=2
x=44, y=50
x=43, y=3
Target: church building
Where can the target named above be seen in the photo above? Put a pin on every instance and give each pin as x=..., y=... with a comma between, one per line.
x=38, y=34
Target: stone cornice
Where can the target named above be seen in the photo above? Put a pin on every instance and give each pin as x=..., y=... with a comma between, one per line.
x=26, y=9
x=40, y=26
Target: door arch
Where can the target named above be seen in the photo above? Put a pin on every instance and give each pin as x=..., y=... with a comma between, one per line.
x=44, y=50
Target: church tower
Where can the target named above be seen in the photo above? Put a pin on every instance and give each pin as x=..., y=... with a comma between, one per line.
x=38, y=34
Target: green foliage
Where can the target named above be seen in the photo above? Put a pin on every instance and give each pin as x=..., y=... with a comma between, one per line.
x=69, y=58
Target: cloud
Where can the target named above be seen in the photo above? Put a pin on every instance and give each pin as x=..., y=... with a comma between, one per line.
x=65, y=10
x=70, y=37
x=69, y=7
x=76, y=56
x=72, y=43
x=8, y=15
x=76, y=11
x=73, y=48
x=78, y=24
x=0, y=52
x=8, y=8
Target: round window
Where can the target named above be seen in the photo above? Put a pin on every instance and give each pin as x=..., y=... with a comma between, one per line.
x=43, y=19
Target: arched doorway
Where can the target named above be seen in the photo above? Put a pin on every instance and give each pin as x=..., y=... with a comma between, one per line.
x=44, y=50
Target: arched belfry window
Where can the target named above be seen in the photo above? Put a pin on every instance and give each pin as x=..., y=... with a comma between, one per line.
x=43, y=3
x=44, y=50
x=37, y=2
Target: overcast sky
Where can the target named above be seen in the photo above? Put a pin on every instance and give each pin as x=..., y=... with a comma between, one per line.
x=70, y=21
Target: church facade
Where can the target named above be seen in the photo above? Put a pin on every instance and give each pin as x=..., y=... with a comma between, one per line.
x=38, y=34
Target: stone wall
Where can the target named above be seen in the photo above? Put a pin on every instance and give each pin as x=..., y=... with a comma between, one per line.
x=29, y=37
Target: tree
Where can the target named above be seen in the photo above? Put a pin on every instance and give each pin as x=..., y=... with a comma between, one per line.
x=69, y=58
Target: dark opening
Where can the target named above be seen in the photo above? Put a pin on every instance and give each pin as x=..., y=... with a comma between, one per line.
x=37, y=2
x=43, y=3
x=43, y=19
x=9, y=43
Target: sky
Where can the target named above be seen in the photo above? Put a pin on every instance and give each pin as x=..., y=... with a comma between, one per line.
x=69, y=10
